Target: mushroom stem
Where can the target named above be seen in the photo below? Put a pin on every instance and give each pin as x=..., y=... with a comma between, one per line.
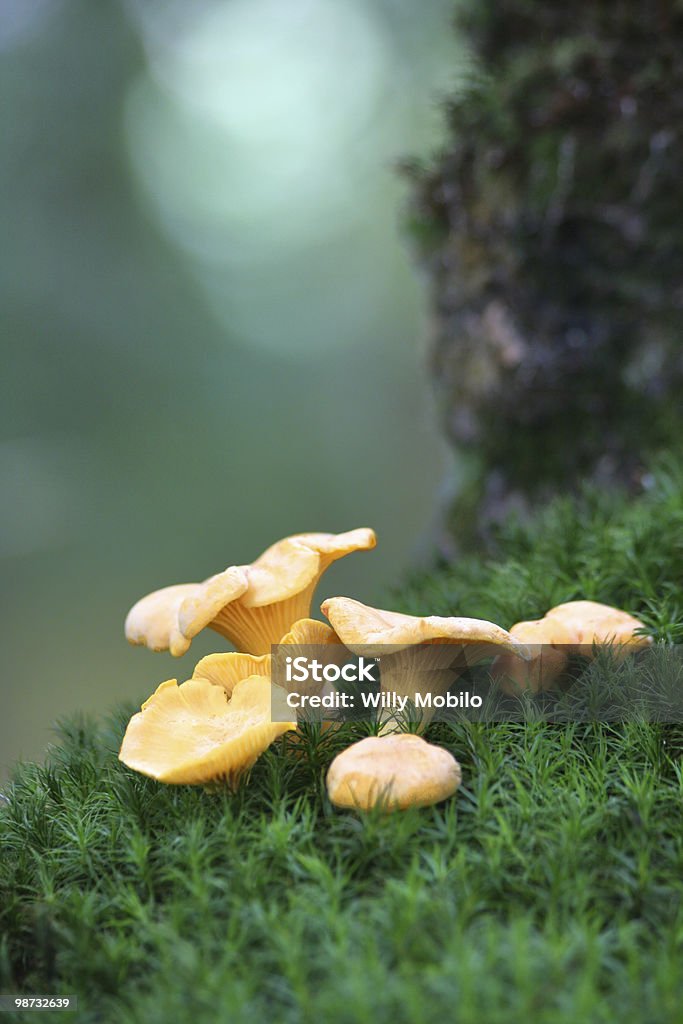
x=254, y=630
x=429, y=668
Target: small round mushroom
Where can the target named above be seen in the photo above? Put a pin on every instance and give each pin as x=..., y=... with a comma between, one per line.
x=416, y=653
x=253, y=606
x=395, y=771
x=198, y=733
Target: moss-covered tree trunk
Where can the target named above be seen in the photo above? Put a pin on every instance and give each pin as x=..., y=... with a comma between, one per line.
x=552, y=228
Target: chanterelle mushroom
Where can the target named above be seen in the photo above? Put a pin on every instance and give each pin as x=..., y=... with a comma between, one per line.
x=375, y=630
x=198, y=732
x=229, y=668
x=311, y=633
x=253, y=606
x=394, y=771
x=589, y=623
x=570, y=628
x=416, y=654
x=310, y=639
x=226, y=669
x=547, y=643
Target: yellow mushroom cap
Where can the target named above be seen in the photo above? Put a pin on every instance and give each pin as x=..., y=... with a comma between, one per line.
x=153, y=620
x=293, y=564
x=308, y=637
x=253, y=605
x=196, y=733
x=588, y=623
x=374, y=629
x=209, y=597
x=311, y=632
x=229, y=668
x=395, y=771
x=168, y=619
x=570, y=628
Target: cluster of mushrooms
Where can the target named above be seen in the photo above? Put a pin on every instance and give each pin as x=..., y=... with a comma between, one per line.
x=213, y=727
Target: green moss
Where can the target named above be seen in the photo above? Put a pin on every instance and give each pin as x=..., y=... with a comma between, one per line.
x=549, y=890
x=600, y=547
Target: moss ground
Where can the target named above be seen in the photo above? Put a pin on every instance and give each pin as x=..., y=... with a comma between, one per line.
x=550, y=889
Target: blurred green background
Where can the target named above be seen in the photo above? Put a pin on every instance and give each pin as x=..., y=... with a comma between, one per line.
x=213, y=332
